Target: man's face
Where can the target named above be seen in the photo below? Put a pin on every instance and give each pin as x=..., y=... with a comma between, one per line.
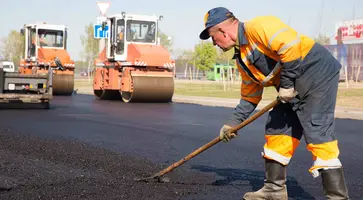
x=221, y=38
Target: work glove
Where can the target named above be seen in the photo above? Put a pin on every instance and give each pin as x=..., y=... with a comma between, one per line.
x=287, y=95
x=224, y=134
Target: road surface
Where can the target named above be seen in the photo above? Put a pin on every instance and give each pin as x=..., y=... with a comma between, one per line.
x=84, y=148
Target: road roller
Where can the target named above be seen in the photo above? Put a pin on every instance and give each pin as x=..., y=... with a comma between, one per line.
x=45, y=48
x=133, y=66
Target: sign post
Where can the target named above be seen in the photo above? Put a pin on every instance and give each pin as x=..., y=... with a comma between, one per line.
x=98, y=32
x=103, y=6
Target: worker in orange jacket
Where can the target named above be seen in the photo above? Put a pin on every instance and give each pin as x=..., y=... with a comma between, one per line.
x=270, y=53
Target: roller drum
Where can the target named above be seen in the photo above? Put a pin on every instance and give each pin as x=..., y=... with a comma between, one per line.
x=150, y=89
x=63, y=84
x=107, y=94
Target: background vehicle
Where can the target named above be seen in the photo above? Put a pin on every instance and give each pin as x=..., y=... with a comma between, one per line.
x=7, y=66
x=45, y=48
x=133, y=64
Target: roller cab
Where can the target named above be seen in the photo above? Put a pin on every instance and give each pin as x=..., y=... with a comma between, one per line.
x=45, y=48
x=133, y=66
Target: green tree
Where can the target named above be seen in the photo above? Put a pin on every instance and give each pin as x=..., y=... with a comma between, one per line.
x=81, y=66
x=225, y=58
x=183, y=59
x=187, y=55
x=13, y=47
x=205, y=56
x=165, y=41
x=90, y=44
x=322, y=39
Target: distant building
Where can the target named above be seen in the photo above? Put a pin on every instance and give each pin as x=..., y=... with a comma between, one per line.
x=216, y=73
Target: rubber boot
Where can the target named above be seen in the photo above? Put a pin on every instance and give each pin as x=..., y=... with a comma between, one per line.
x=334, y=184
x=275, y=183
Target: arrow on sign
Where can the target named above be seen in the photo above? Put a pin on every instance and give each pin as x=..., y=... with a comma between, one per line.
x=103, y=6
x=99, y=32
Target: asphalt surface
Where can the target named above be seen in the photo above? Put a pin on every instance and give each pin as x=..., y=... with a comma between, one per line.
x=84, y=148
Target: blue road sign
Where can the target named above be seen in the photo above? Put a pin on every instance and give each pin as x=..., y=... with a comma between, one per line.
x=99, y=33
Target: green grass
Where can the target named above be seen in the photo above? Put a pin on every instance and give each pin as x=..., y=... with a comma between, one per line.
x=348, y=97
x=217, y=90
x=351, y=92
x=82, y=83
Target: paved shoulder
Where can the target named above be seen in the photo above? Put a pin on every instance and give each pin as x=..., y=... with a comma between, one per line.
x=341, y=112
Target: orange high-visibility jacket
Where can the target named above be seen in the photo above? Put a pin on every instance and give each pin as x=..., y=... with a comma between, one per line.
x=268, y=49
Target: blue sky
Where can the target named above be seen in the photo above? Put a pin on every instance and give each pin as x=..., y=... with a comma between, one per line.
x=183, y=20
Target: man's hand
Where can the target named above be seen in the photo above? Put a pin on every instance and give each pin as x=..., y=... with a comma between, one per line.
x=287, y=95
x=224, y=134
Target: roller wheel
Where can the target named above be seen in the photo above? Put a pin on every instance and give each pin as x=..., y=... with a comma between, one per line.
x=45, y=105
x=63, y=84
x=107, y=94
x=150, y=89
x=126, y=96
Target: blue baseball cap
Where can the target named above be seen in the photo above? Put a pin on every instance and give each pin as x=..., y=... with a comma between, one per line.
x=212, y=18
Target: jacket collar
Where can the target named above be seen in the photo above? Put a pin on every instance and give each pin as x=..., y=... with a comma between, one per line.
x=241, y=39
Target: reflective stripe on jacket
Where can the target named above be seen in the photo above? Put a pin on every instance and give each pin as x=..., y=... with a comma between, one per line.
x=270, y=54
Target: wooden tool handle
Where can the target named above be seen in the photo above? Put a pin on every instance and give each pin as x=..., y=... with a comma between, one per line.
x=216, y=140
x=188, y=157
x=256, y=115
